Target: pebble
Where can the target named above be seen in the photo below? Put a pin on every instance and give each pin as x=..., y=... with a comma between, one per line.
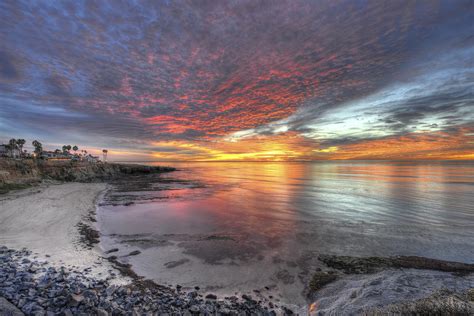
x=112, y=250
x=211, y=297
x=39, y=289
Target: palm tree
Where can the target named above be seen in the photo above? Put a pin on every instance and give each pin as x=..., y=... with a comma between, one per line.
x=68, y=147
x=7, y=147
x=64, y=148
x=75, y=148
x=104, y=153
x=38, y=147
x=20, y=142
x=13, y=146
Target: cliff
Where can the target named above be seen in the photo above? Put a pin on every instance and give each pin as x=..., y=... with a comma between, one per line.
x=15, y=174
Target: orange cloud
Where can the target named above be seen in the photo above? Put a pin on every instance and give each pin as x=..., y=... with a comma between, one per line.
x=284, y=147
x=290, y=146
x=458, y=144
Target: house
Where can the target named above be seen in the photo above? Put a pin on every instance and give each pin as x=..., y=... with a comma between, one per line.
x=57, y=155
x=5, y=151
x=90, y=158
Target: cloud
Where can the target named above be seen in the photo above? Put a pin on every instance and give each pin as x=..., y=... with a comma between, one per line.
x=206, y=72
x=9, y=67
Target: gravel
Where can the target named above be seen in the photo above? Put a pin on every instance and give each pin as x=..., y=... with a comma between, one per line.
x=37, y=288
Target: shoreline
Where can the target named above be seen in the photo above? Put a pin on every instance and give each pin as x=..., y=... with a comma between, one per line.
x=56, y=243
x=45, y=252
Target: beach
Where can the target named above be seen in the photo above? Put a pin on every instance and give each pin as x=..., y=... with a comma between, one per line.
x=66, y=232
x=50, y=262
x=45, y=219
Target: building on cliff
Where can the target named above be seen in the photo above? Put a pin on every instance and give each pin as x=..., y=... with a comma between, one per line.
x=5, y=151
x=55, y=155
x=90, y=158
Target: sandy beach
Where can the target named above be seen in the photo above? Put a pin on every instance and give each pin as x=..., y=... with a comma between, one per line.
x=45, y=220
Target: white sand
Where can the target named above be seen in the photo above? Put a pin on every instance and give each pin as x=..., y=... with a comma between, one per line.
x=44, y=220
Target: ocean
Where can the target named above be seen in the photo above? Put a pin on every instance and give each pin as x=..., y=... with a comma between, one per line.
x=233, y=228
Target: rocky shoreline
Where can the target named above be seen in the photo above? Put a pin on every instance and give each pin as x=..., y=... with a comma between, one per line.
x=32, y=286
x=36, y=288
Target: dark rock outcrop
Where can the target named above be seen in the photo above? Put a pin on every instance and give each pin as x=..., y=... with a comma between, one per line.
x=358, y=265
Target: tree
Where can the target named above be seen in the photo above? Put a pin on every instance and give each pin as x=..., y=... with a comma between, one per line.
x=68, y=147
x=64, y=148
x=38, y=147
x=20, y=142
x=13, y=146
x=104, y=153
x=8, y=147
x=75, y=148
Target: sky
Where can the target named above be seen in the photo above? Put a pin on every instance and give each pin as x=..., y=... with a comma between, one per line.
x=240, y=80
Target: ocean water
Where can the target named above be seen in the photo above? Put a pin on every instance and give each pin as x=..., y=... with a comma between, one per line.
x=238, y=227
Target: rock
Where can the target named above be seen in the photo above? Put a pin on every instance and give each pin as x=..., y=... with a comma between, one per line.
x=76, y=299
x=359, y=265
x=320, y=279
x=246, y=297
x=110, y=290
x=470, y=294
x=134, y=253
x=285, y=276
x=353, y=294
x=224, y=311
x=60, y=301
x=287, y=311
x=112, y=250
x=67, y=312
x=68, y=291
x=174, y=264
x=7, y=308
x=211, y=297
